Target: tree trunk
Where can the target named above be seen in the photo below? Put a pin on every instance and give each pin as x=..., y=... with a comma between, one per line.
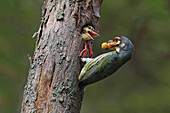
x=52, y=85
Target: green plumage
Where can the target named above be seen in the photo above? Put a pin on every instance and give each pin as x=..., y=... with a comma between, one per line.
x=106, y=64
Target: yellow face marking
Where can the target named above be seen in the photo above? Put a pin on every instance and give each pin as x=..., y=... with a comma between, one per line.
x=118, y=42
x=117, y=49
x=122, y=44
x=88, y=28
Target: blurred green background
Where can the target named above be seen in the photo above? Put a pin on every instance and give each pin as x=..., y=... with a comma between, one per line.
x=140, y=86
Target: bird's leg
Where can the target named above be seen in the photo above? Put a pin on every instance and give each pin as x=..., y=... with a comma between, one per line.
x=83, y=51
x=91, y=52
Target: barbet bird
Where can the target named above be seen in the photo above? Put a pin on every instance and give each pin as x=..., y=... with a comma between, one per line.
x=106, y=64
x=88, y=34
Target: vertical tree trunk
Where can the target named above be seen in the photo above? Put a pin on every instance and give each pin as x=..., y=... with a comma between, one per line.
x=52, y=85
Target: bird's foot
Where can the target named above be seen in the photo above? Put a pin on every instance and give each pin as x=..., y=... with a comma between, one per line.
x=91, y=54
x=83, y=52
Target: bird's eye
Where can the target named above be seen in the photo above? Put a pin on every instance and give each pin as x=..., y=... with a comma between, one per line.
x=116, y=38
x=90, y=27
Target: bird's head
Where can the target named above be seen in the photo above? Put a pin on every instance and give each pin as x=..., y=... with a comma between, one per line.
x=111, y=44
x=88, y=33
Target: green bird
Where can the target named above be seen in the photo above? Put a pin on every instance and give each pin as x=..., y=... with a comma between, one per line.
x=106, y=64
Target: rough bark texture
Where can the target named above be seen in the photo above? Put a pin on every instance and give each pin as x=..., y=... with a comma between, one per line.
x=52, y=85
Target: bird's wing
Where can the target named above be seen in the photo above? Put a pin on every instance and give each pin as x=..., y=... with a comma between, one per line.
x=95, y=64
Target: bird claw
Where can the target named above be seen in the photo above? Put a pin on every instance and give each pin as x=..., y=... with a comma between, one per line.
x=83, y=52
x=91, y=54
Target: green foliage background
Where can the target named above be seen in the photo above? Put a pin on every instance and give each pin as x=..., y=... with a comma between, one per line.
x=140, y=86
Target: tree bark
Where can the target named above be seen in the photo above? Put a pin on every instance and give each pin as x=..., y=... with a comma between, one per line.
x=52, y=84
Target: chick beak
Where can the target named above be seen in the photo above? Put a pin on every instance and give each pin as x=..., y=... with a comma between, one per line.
x=93, y=34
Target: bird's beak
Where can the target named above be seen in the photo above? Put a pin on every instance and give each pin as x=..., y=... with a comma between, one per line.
x=92, y=33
